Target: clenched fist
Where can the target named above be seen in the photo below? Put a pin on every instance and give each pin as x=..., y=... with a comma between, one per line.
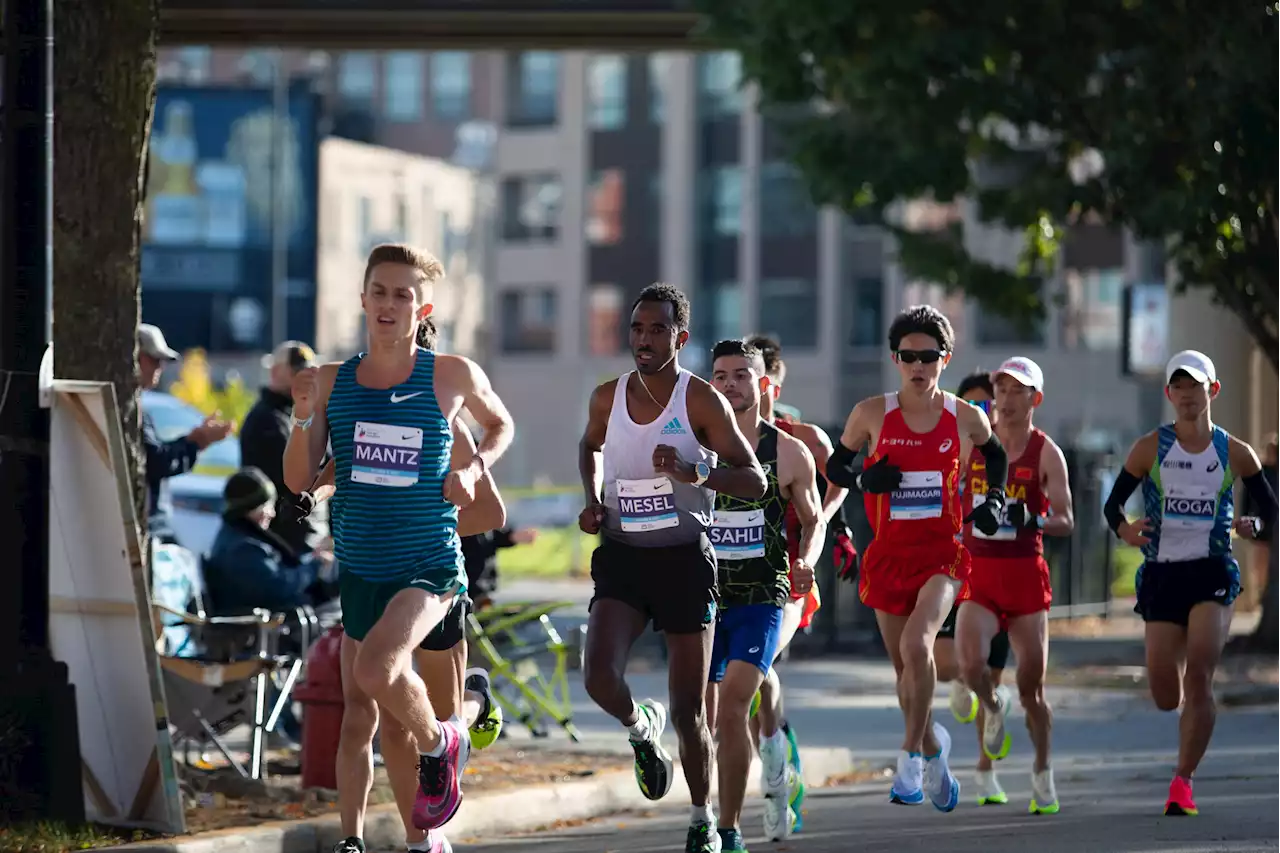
x=306, y=390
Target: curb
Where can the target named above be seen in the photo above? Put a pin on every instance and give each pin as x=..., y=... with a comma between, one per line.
x=497, y=813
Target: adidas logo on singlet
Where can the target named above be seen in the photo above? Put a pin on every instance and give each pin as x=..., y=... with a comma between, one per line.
x=674, y=427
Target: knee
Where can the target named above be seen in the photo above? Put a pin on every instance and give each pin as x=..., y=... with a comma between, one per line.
x=1197, y=684
x=359, y=722
x=769, y=688
x=373, y=678
x=915, y=652
x=1167, y=694
x=600, y=678
x=1031, y=694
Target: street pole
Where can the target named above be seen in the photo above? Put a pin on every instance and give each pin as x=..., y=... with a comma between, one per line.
x=279, y=218
x=39, y=736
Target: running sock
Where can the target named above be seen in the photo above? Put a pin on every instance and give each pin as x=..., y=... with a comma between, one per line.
x=438, y=749
x=700, y=815
x=639, y=730
x=423, y=846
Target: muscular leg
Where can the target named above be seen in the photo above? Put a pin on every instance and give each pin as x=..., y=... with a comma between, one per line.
x=612, y=628
x=769, y=716
x=976, y=627
x=944, y=657
x=1166, y=658
x=688, y=662
x=1029, y=636
x=384, y=664
x=355, y=745
x=733, y=756
x=918, y=678
x=1207, y=629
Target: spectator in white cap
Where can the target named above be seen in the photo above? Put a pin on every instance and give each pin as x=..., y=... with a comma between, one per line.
x=166, y=459
x=1189, y=579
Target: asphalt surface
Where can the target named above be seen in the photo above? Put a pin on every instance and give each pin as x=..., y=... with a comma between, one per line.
x=1112, y=775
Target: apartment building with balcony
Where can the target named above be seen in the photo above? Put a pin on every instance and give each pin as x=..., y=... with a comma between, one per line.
x=612, y=171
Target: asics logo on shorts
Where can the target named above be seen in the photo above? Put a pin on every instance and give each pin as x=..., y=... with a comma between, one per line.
x=674, y=427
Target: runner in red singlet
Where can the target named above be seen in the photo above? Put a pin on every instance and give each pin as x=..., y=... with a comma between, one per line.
x=798, y=613
x=1008, y=586
x=912, y=568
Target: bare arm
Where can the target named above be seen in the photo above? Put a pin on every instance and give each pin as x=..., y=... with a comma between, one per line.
x=1057, y=488
x=857, y=428
x=818, y=444
x=711, y=416
x=478, y=397
x=487, y=511
x=592, y=442
x=305, y=448
x=802, y=487
x=324, y=486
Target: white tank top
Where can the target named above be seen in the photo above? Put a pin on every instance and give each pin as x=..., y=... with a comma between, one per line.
x=644, y=508
x=1190, y=500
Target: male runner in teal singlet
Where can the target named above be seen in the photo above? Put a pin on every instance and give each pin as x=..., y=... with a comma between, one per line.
x=1189, y=581
x=660, y=430
x=389, y=415
x=757, y=579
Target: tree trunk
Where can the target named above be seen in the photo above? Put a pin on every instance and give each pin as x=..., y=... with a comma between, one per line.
x=104, y=89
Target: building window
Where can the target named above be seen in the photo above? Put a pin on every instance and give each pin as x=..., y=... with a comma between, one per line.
x=402, y=85
x=357, y=76
x=451, y=85
x=533, y=88
x=607, y=92
x=724, y=205
x=528, y=319
x=868, y=326
x=606, y=198
x=1092, y=311
x=789, y=311
x=604, y=320
x=531, y=208
x=726, y=308
x=786, y=208
x=719, y=84
x=659, y=74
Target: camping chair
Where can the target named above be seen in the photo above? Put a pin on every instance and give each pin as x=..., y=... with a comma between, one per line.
x=520, y=687
x=217, y=670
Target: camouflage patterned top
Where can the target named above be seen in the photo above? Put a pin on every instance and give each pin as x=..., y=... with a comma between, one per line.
x=750, y=537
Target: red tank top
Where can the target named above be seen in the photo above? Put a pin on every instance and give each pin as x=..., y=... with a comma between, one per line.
x=1023, y=487
x=925, y=509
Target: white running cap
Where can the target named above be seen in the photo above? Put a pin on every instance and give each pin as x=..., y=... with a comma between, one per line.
x=1195, y=364
x=1022, y=369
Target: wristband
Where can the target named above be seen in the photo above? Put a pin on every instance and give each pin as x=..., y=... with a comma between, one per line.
x=303, y=425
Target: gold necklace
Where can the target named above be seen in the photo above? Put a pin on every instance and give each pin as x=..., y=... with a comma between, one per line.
x=650, y=393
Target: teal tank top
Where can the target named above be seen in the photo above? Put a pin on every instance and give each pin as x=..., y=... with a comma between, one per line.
x=391, y=450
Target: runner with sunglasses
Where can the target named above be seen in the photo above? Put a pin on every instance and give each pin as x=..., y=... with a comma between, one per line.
x=914, y=566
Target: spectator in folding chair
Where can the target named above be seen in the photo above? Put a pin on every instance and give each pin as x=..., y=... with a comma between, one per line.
x=250, y=566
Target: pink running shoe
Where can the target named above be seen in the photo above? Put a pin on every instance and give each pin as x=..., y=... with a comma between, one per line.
x=440, y=779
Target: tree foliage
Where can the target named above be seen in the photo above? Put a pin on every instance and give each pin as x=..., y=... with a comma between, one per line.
x=1007, y=104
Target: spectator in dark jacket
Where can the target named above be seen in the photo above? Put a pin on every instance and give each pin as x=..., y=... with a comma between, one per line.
x=265, y=434
x=480, y=553
x=249, y=566
x=166, y=459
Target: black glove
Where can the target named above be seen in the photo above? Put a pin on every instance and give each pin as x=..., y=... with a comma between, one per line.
x=1020, y=518
x=986, y=515
x=304, y=504
x=881, y=478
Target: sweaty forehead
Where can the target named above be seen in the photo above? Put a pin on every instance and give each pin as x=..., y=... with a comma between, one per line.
x=731, y=364
x=648, y=312
x=396, y=276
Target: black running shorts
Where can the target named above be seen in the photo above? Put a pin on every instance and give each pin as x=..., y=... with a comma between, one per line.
x=672, y=585
x=999, y=657
x=452, y=628
x=1166, y=592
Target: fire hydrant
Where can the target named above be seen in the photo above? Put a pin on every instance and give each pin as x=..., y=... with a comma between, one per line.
x=321, y=697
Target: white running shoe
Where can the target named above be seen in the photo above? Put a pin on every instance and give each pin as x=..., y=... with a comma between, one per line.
x=995, y=736
x=964, y=702
x=778, y=815
x=1044, y=798
x=939, y=783
x=989, y=791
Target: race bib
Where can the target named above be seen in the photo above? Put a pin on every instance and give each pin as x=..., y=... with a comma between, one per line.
x=738, y=534
x=645, y=505
x=384, y=455
x=918, y=496
x=1190, y=508
x=1006, y=531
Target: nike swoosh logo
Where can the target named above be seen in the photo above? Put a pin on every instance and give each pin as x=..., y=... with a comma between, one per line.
x=396, y=398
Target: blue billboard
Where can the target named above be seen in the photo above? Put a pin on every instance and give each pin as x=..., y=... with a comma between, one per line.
x=224, y=171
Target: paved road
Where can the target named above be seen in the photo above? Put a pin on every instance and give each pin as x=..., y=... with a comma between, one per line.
x=1114, y=757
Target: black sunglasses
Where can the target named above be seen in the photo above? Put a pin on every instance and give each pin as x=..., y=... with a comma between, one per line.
x=924, y=356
